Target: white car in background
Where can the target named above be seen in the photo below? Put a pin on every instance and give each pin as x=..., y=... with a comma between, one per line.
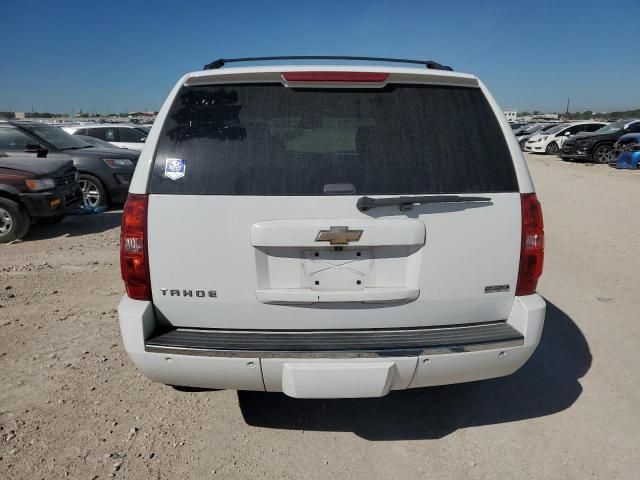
x=551, y=141
x=123, y=135
x=524, y=135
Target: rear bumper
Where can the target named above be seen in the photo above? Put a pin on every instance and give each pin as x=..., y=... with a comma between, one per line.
x=330, y=364
x=404, y=342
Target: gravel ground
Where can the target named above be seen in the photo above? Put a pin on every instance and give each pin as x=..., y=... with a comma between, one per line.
x=72, y=405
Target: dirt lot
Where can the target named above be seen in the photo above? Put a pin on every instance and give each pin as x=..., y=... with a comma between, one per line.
x=72, y=405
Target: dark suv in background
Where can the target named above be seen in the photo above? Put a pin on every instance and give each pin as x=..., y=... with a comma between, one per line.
x=105, y=173
x=31, y=188
x=598, y=146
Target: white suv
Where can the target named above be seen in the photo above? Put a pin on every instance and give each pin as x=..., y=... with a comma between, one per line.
x=330, y=231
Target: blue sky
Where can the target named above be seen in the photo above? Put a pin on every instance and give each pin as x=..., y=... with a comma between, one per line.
x=113, y=56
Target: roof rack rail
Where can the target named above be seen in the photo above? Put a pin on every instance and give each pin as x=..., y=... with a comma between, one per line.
x=427, y=63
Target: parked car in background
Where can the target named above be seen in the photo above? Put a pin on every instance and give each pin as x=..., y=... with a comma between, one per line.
x=35, y=188
x=598, y=146
x=523, y=135
x=521, y=128
x=144, y=128
x=551, y=141
x=378, y=238
x=526, y=126
x=105, y=173
x=96, y=142
x=125, y=136
x=627, y=142
x=626, y=152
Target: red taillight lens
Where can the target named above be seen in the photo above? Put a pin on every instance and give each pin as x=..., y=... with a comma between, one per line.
x=134, y=262
x=354, y=77
x=532, y=248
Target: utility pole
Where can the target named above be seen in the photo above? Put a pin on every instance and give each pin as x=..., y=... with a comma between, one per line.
x=567, y=112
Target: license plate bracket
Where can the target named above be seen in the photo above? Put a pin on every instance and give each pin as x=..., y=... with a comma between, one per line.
x=337, y=269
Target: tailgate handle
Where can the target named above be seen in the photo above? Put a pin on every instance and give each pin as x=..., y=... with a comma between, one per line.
x=407, y=203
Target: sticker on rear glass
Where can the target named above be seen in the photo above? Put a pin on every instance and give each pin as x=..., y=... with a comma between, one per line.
x=174, y=168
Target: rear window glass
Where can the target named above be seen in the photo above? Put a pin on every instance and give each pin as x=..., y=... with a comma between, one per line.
x=267, y=139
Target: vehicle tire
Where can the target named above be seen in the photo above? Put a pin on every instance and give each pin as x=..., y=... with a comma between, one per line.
x=93, y=191
x=14, y=221
x=602, y=154
x=51, y=220
x=552, y=149
x=522, y=142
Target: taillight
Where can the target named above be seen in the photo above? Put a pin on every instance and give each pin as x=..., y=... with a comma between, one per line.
x=353, y=77
x=532, y=248
x=134, y=261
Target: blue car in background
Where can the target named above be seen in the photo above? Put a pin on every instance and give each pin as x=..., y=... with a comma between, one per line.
x=627, y=152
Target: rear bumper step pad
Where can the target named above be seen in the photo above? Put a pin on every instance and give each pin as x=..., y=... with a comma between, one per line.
x=335, y=343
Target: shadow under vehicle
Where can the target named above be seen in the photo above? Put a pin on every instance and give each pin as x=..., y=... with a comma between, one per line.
x=547, y=384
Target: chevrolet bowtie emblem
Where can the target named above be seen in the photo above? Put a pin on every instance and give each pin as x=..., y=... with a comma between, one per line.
x=339, y=235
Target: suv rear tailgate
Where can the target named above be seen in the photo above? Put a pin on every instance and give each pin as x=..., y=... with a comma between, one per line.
x=207, y=247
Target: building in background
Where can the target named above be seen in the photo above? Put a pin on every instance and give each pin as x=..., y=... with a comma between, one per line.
x=143, y=114
x=511, y=115
x=541, y=117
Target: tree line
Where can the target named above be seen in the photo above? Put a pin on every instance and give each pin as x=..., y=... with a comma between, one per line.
x=589, y=115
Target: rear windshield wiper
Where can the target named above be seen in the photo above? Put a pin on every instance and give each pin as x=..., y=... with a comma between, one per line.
x=407, y=203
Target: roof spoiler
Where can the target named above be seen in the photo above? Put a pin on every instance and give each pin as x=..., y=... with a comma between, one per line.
x=430, y=64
